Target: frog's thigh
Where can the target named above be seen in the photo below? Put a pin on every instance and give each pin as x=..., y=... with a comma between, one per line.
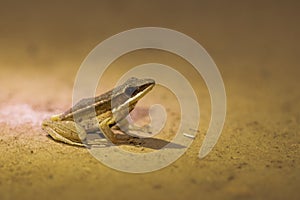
x=60, y=138
x=116, y=138
x=62, y=128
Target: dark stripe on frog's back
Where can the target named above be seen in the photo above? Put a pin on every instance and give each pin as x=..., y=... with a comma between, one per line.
x=89, y=105
x=103, y=101
x=100, y=104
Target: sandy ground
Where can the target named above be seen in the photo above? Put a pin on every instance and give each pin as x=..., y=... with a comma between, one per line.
x=254, y=44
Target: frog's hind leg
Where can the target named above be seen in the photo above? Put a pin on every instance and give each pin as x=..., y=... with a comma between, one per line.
x=117, y=138
x=64, y=132
x=60, y=138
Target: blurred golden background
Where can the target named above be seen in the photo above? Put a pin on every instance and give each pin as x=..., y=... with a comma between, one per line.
x=255, y=45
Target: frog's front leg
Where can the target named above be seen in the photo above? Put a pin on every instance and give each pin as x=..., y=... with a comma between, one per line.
x=105, y=127
x=132, y=129
x=65, y=131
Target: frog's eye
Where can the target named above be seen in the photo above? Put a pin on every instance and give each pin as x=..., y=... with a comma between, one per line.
x=129, y=91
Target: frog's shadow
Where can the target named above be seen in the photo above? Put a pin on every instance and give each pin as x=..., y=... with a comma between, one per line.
x=151, y=143
x=155, y=143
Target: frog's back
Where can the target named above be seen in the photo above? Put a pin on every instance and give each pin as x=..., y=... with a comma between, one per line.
x=100, y=104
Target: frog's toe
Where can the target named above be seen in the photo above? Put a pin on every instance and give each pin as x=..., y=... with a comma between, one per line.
x=136, y=141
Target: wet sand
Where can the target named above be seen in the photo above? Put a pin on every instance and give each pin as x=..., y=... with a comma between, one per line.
x=254, y=44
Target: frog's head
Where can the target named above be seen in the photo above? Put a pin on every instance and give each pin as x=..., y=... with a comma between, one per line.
x=135, y=88
x=131, y=91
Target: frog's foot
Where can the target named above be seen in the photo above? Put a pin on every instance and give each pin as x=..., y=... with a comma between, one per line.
x=132, y=129
x=142, y=131
x=127, y=139
x=118, y=138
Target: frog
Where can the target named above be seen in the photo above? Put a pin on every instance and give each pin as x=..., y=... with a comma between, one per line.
x=100, y=113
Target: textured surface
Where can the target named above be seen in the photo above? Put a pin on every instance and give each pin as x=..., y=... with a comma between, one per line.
x=256, y=47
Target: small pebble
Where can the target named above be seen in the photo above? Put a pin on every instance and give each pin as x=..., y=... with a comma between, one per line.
x=189, y=135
